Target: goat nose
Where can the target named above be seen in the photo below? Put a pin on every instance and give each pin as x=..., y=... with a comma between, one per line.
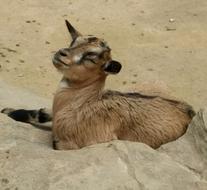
x=63, y=52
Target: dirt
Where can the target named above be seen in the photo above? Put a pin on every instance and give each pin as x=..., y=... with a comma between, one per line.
x=154, y=40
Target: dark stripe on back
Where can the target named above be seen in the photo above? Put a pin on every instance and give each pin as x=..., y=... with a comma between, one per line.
x=139, y=95
x=129, y=95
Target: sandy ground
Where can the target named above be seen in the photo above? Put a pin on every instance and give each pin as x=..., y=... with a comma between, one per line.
x=155, y=41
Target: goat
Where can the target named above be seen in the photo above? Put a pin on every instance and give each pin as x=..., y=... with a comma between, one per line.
x=84, y=113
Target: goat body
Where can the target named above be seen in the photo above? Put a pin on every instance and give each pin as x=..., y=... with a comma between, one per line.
x=90, y=115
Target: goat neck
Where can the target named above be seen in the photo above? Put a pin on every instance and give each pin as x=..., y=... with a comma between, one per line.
x=75, y=95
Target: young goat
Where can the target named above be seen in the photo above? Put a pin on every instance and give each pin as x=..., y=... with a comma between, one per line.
x=85, y=114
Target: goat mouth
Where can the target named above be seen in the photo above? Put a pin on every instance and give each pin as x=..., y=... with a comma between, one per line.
x=57, y=61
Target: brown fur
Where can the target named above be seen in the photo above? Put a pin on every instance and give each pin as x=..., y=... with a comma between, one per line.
x=85, y=114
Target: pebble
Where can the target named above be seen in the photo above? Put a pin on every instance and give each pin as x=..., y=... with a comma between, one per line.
x=20, y=75
x=171, y=20
x=5, y=180
x=169, y=28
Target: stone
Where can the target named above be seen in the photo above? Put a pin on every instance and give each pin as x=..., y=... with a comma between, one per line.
x=191, y=149
x=28, y=162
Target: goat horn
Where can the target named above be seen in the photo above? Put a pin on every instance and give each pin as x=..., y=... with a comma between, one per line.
x=73, y=32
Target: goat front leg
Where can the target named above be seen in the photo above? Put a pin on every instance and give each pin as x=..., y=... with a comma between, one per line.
x=64, y=145
x=38, y=118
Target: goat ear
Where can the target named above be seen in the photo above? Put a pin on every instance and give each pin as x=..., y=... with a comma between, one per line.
x=73, y=32
x=112, y=67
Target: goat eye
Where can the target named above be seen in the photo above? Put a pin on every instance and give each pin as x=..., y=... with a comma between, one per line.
x=91, y=55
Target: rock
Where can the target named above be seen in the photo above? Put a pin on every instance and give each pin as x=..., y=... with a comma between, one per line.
x=28, y=162
x=20, y=98
x=191, y=149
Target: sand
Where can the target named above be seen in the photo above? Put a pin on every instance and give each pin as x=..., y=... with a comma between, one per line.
x=154, y=40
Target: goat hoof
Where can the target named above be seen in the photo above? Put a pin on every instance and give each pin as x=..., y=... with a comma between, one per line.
x=7, y=110
x=43, y=116
x=54, y=145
